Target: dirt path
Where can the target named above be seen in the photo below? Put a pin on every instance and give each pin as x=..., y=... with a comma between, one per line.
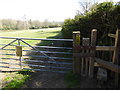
x=55, y=80
x=45, y=80
x=88, y=83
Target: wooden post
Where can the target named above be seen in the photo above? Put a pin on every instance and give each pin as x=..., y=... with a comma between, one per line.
x=116, y=59
x=84, y=63
x=93, y=43
x=76, y=60
x=117, y=45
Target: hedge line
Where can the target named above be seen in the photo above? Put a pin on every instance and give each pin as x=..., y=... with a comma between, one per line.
x=105, y=17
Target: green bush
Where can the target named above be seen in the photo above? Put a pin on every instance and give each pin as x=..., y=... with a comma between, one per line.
x=105, y=18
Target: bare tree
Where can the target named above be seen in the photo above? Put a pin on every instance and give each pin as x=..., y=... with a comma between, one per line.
x=25, y=22
x=86, y=6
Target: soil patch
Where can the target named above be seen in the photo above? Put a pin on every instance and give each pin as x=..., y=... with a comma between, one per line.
x=45, y=80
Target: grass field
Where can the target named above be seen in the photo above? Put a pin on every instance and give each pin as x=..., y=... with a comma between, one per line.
x=40, y=33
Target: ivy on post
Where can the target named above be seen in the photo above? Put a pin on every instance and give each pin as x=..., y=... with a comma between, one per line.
x=76, y=60
x=92, y=59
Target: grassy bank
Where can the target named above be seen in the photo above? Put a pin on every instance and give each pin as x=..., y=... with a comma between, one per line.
x=18, y=80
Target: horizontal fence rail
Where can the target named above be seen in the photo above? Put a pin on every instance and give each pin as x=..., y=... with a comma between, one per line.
x=41, y=61
x=41, y=56
x=42, y=47
x=105, y=48
x=36, y=65
x=98, y=48
x=33, y=69
x=37, y=39
x=41, y=51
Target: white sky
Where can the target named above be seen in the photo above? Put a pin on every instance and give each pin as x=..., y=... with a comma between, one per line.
x=53, y=10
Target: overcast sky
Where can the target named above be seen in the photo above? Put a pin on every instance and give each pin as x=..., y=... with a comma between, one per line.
x=53, y=10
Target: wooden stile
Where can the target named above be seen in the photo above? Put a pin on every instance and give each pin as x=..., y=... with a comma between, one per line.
x=84, y=61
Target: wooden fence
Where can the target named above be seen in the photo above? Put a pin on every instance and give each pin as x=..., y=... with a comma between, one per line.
x=84, y=55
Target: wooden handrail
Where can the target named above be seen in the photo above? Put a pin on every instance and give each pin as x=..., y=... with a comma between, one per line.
x=99, y=48
x=105, y=48
x=108, y=65
x=111, y=35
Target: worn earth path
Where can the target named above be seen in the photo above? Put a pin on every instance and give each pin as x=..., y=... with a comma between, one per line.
x=55, y=80
x=45, y=80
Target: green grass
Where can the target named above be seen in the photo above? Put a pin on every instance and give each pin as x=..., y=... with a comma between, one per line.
x=40, y=33
x=18, y=80
x=7, y=78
